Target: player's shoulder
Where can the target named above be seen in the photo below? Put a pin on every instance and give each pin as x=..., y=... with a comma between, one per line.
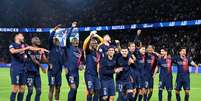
x=100, y=47
x=13, y=45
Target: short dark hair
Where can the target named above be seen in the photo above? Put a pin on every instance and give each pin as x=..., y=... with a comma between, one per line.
x=124, y=46
x=182, y=48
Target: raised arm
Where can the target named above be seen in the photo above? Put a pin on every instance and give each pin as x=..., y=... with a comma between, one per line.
x=68, y=37
x=86, y=42
x=195, y=65
x=52, y=35
x=137, y=36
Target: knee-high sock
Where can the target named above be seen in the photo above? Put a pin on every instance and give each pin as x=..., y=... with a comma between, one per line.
x=150, y=95
x=20, y=96
x=140, y=97
x=178, y=97
x=120, y=96
x=29, y=94
x=96, y=95
x=12, y=96
x=160, y=95
x=169, y=95
x=89, y=97
x=72, y=94
x=145, y=97
x=186, y=97
x=38, y=93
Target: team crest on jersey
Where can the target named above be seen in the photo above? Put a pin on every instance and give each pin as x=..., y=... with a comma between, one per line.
x=100, y=50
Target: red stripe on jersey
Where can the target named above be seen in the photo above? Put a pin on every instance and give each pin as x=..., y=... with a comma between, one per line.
x=169, y=65
x=185, y=64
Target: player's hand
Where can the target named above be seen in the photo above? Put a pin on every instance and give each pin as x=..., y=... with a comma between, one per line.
x=74, y=24
x=131, y=79
x=117, y=70
x=134, y=91
x=44, y=50
x=50, y=66
x=139, y=32
x=81, y=67
x=93, y=33
x=117, y=41
x=57, y=26
x=130, y=61
x=133, y=57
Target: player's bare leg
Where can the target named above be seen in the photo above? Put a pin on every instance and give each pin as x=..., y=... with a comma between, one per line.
x=178, y=95
x=15, y=89
x=111, y=98
x=141, y=93
x=21, y=92
x=150, y=92
x=51, y=91
x=57, y=92
x=187, y=93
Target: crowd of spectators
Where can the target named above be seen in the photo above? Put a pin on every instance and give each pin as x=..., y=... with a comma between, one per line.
x=47, y=13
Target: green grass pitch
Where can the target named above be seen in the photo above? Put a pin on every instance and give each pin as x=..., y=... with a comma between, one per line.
x=5, y=88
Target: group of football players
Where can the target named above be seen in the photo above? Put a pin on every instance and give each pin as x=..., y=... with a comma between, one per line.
x=127, y=67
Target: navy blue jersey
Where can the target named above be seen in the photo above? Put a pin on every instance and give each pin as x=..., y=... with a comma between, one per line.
x=182, y=65
x=73, y=61
x=150, y=63
x=18, y=59
x=107, y=67
x=33, y=67
x=140, y=61
x=103, y=49
x=92, y=59
x=165, y=67
x=56, y=55
x=125, y=74
x=133, y=66
x=74, y=55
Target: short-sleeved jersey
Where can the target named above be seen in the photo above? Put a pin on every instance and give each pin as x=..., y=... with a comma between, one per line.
x=182, y=65
x=18, y=59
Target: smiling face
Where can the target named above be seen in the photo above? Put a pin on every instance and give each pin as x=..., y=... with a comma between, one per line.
x=150, y=49
x=182, y=52
x=19, y=37
x=163, y=52
x=110, y=52
x=36, y=41
x=142, y=50
x=124, y=52
x=75, y=42
x=93, y=43
x=131, y=47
